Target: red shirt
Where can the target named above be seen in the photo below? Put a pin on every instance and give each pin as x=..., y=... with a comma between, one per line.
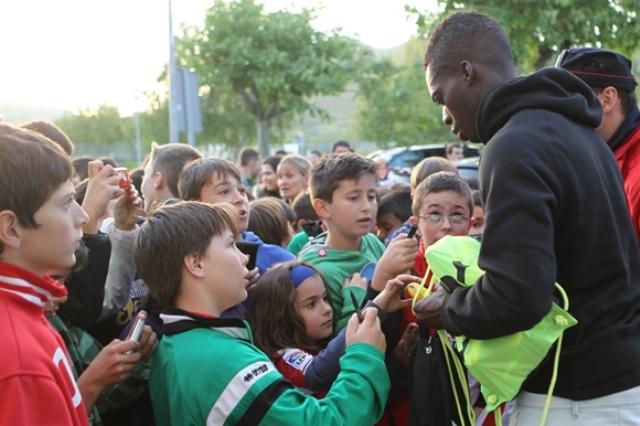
x=628, y=158
x=36, y=381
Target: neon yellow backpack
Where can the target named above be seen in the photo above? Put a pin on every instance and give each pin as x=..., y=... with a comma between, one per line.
x=500, y=365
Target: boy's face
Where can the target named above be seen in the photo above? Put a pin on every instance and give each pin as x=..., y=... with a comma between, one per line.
x=49, y=249
x=477, y=228
x=387, y=223
x=443, y=213
x=353, y=209
x=227, y=189
x=224, y=270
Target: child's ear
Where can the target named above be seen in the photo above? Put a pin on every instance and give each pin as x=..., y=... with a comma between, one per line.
x=193, y=263
x=322, y=208
x=10, y=234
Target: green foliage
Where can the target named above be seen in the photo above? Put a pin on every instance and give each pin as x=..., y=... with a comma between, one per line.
x=539, y=29
x=105, y=125
x=272, y=62
x=394, y=107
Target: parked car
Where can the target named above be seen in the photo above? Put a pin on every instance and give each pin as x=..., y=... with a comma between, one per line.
x=402, y=160
x=468, y=170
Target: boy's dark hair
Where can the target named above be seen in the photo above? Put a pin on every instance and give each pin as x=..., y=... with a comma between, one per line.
x=170, y=160
x=268, y=220
x=107, y=161
x=51, y=131
x=450, y=146
x=477, y=198
x=80, y=165
x=341, y=143
x=396, y=202
x=303, y=208
x=247, y=155
x=198, y=174
x=429, y=166
x=172, y=232
x=273, y=161
x=81, y=191
x=439, y=182
x=468, y=36
x=274, y=320
x=32, y=168
x=136, y=179
x=332, y=169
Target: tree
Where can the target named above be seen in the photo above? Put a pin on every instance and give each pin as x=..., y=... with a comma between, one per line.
x=540, y=29
x=104, y=125
x=393, y=106
x=273, y=62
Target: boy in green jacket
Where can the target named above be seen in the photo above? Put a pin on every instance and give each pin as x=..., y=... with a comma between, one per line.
x=206, y=369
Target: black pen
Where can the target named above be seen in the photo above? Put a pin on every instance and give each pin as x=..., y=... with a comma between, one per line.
x=357, y=306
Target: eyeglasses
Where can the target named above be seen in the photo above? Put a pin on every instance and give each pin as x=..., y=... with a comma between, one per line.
x=437, y=218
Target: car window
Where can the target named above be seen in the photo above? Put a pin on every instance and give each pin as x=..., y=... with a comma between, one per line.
x=405, y=159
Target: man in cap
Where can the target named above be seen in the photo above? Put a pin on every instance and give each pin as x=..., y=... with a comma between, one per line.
x=609, y=75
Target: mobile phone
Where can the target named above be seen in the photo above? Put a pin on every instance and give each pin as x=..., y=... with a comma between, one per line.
x=124, y=180
x=412, y=231
x=251, y=250
x=136, y=330
x=357, y=306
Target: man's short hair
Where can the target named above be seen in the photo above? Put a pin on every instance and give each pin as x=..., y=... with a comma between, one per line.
x=332, y=169
x=248, y=155
x=397, y=203
x=32, y=168
x=341, y=143
x=429, y=166
x=468, y=36
x=53, y=132
x=303, y=208
x=439, y=182
x=198, y=174
x=170, y=160
x=268, y=220
x=171, y=233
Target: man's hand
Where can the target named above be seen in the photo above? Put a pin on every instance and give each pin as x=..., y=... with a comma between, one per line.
x=127, y=209
x=407, y=342
x=397, y=259
x=390, y=299
x=102, y=188
x=368, y=331
x=429, y=309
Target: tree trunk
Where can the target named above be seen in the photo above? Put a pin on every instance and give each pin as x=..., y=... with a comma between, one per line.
x=262, y=129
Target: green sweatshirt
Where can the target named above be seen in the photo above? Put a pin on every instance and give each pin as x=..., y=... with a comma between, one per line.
x=207, y=371
x=298, y=242
x=337, y=265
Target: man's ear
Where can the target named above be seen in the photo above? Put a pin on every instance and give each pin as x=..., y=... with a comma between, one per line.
x=193, y=263
x=10, y=231
x=158, y=181
x=468, y=72
x=322, y=208
x=609, y=99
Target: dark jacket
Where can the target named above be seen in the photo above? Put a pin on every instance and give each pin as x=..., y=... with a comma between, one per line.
x=555, y=212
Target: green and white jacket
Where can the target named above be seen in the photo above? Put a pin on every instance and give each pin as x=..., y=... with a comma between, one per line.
x=206, y=371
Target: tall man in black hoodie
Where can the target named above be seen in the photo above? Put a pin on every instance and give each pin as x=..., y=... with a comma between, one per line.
x=555, y=212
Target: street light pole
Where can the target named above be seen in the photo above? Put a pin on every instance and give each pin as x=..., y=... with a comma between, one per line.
x=173, y=116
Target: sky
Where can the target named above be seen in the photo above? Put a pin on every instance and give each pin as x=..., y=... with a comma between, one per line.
x=81, y=53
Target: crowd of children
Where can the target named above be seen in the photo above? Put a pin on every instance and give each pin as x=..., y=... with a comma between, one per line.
x=287, y=308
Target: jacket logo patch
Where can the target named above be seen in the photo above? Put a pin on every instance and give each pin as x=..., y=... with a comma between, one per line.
x=256, y=372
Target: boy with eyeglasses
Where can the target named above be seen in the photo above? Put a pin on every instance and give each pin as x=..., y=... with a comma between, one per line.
x=442, y=205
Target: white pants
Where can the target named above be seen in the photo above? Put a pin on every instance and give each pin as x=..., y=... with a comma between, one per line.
x=618, y=409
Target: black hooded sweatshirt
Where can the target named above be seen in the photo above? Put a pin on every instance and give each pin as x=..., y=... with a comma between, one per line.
x=555, y=212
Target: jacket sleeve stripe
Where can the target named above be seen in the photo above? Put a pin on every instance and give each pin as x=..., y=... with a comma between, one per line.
x=263, y=402
x=236, y=389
